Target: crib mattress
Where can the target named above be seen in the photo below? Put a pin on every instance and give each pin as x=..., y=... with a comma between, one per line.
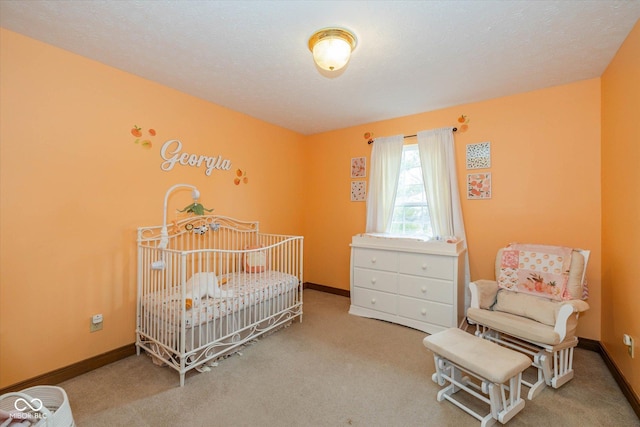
x=247, y=289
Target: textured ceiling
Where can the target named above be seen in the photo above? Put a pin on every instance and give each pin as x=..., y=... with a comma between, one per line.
x=412, y=56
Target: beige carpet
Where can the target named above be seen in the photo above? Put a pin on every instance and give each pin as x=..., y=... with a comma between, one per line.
x=333, y=369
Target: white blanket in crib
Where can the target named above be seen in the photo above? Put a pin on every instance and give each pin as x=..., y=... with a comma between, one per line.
x=240, y=290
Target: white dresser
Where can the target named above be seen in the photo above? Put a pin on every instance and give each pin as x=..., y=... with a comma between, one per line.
x=415, y=283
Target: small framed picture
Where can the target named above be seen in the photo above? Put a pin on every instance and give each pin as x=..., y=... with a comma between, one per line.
x=479, y=185
x=358, y=191
x=358, y=167
x=479, y=155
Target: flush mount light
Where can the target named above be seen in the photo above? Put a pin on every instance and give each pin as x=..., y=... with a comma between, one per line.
x=332, y=47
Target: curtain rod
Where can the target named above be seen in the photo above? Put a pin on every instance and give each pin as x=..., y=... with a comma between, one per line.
x=407, y=136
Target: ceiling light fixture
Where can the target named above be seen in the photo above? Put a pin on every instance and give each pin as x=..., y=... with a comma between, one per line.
x=332, y=47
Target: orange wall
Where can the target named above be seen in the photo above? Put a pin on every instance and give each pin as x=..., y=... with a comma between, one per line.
x=74, y=186
x=545, y=165
x=621, y=206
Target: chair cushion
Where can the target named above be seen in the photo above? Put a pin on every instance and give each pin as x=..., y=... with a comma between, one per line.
x=517, y=326
x=487, y=290
x=540, y=309
x=484, y=358
x=574, y=285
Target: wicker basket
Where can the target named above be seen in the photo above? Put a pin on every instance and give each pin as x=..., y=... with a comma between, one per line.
x=41, y=405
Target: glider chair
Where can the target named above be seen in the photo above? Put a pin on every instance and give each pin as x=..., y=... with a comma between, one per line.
x=533, y=307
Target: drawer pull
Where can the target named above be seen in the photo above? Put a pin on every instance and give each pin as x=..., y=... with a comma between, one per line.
x=424, y=289
x=424, y=266
x=423, y=311
x=373, y=260
x=373, y=280
x=373, y=300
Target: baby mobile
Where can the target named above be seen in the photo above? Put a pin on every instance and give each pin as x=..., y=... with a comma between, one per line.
x=198, y=225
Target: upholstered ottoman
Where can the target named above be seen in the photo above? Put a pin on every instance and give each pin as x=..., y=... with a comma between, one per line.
x=499, y=370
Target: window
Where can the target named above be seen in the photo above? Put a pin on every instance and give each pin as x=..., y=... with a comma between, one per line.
x=410, y=212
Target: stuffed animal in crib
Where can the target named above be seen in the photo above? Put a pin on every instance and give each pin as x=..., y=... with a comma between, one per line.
x=203, y=285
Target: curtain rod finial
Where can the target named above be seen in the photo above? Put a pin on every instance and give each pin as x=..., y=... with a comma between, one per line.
x=369, y=137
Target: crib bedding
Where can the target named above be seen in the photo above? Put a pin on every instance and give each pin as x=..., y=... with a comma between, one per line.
x=241, y=290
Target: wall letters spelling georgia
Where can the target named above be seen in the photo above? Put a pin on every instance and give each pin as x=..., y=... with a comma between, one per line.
x=170, y=152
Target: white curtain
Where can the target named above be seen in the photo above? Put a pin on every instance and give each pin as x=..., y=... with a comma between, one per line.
x=386, y=157
x=439, y=172
x=438, y=161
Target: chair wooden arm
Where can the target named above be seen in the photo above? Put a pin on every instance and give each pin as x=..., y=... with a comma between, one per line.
x=568, y=312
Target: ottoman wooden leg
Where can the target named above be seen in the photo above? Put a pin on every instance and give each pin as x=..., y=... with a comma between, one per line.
x=499, y=374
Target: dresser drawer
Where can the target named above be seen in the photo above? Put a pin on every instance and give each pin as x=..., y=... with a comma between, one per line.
x=426, y=311
x=374, y=300
x=440, y=267
x=436, y=290
x=372, y=258
x=375, y=279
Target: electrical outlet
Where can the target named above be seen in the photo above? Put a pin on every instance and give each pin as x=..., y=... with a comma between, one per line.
x=95, y=323
x=630, y=343
x=94, y=327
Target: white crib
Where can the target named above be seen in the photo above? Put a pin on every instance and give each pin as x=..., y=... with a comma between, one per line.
x=215, y=285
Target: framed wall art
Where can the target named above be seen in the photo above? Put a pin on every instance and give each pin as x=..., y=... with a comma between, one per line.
x=479, y=185
x=358, y=167
x=358, y=191
x=479, y=155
